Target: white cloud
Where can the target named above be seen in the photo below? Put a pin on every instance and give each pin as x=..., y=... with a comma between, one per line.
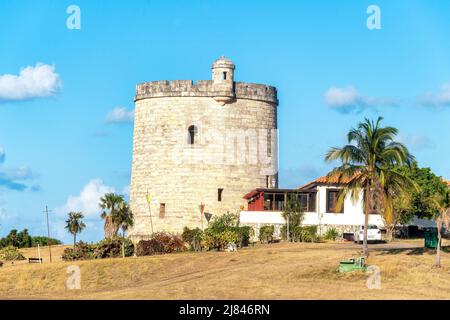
x=440, y=99
x=13, y=179
x=416, y=141
x=348, y=100
x=32, y=82
x=88, y=199
x=120, y=115
x=2, y=154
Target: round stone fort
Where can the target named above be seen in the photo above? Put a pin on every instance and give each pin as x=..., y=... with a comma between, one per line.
x=204, y=143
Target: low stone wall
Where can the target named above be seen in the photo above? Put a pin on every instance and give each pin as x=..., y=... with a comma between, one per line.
x=321, y=230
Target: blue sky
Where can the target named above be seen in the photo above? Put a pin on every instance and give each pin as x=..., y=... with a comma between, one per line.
x=66, y=137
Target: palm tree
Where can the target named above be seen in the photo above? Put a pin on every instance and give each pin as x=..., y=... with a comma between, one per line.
x=368, y=167
x=110, y=203
x=442, y=204
x=124, y=219
x=75, y=225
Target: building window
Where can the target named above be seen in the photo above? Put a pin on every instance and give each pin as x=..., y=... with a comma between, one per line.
x=192, y=134
x=307, y=201
x=162, y=210
x=312, y=202
x=332, y=199
x=219, y=194
x=224, y=76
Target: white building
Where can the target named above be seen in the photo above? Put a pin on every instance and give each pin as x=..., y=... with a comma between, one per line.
x=318, y=200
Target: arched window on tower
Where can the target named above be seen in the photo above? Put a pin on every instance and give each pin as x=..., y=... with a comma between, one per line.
x=192, y=134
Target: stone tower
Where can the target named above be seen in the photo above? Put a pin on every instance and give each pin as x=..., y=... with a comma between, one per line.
x=208, y=142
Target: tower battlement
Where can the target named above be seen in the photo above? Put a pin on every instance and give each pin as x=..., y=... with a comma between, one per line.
x=205, y=88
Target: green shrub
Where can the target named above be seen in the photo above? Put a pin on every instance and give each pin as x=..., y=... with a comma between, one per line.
x=266, y=234
x=112, y=247
x=309, y=234
x=331, y=234
x=223, y=222
x=160, y=243
x=244, y=235
x=193, y=237
x=223, y=230
x=83, y=251
x=11, y=253
x=213, y=240
x=301, y=233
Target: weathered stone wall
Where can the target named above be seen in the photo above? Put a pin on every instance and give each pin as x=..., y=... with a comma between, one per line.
x=204, y=88
x=183, y=176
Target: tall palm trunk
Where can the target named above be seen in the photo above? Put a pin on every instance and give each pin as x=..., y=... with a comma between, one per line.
x=366, y=221
x=74, y=241
x=123, y=243
x=437, y=262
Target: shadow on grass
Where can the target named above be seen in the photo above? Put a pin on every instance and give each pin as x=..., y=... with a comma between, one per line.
x=413, y=251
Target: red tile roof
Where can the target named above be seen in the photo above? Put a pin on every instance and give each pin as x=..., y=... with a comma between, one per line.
x=329, y=179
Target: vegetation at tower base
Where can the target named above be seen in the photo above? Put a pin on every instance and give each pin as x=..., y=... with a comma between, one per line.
x=193, y=237
x=266, y=234
x=160, y=243
x=221, y=232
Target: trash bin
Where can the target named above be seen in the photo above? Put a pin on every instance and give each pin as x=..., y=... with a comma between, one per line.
x=431, y=239
x=354, y=264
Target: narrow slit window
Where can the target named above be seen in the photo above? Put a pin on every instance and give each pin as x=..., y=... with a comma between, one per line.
x=192, y=134
x=162, y=210
x=224, y=76
x=219, y=194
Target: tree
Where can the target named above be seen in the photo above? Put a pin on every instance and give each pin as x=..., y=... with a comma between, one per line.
x=75, y=224
x=110, y=203
x=368, y=167
x=24, y=239
x=124, y=219
x=441, y=202
x=415, y=202
x=293, y=214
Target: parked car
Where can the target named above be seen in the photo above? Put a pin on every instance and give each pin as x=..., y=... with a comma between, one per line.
x=373, y=234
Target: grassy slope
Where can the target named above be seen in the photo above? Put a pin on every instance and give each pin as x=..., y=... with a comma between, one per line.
x=278, y=271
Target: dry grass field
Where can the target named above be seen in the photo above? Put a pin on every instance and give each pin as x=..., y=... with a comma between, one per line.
x=276, y=271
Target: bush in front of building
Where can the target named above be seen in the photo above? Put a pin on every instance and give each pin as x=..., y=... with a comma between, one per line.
x=266, y=234
x=331, y=234
x=215, y=240
x=244, y=233
x=309, y=234
x=160, y=243
x=193, y=237
x=301, y=233
x=224, y=230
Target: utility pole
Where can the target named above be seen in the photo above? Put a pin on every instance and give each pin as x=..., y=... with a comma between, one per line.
x=48, y=233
